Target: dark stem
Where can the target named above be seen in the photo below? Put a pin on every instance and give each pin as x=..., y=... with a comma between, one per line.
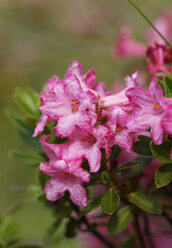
x=148, y=232
x=167, y=217
x=139, y=232
x=94, y=232
x=150, y=23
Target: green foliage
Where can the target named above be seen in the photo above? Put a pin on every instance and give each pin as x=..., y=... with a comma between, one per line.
x=162, y=152
x=8, y=232
x=28, y=101
x=134, y=167
x=30, y=141
x=143, y=148
x=120, y=220
x=71, y=226
x=28, y=158
x=168, y=86
x=91, y=206
x=110, y=201
x=147, y=203
x=163, y=175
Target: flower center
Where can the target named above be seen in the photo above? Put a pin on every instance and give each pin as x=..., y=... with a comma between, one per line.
x=75, y=105
x=157, y=106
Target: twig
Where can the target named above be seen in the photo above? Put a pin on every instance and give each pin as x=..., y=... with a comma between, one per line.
x=138, y=230
x=94, y=232
x=147, y=231
x=150, y=23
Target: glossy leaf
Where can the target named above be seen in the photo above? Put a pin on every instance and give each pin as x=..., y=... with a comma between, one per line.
x=142, y=148
x=109, y=202
x=147, y=203
x=162, y=152
x=163, y=175
x=120, y=220
x=168, y=86
x=134, y=167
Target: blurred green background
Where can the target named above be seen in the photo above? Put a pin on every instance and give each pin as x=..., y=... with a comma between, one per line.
x=40, y=38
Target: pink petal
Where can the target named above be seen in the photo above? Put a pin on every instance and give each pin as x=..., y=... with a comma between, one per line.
x=74, y=68
x=54, y=189
x=167, y=121
x=72, y=86
x=90, y=77
x=157, y=132
x=65, y=125
x=40, y=125
x=51, y=150
x=78, y=195
x=93, y=155
x=83, y=174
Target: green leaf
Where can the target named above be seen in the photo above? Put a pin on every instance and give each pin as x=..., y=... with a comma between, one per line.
x=162, y=152
x=168, y=85
x=144, y=138
x=142, y=148
x=134, y=167
x=120, y=220
x=30, y=141
x=27, y=158
x=35, y=190
x=28, y=101
x=18, y=122
x=91, y=206
x=163, y=175
x=115, y=153
x=147, y=203
x=109, y=201
x=106, y=178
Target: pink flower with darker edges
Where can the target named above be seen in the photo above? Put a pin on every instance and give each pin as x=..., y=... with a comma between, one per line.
x=80, y=145
x=70, y=106
x=88, y=79
x=65, y=177
x=150, y=106
x=120, y=99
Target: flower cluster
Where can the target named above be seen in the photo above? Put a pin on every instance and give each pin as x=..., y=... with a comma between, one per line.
x=159, y=55
x=91, y=118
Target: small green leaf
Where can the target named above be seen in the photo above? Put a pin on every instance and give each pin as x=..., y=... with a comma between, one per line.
x=30, y=141
x=120, y=220
x=115, y=152
x=27, y=158
x=168, y=85
x=35, y=190
x=18, y=122
x=28, y=101
x=147, y=203
x=91, y=206
x=106, y=178
x=163, y=175
x=134, y=167
x=162, y=152
x=109, y=202
x=142, y=148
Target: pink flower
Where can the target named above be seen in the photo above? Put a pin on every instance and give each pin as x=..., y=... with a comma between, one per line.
x=70, y=105
x=150, y=106
x=126, y=45
x=159, y=59
x=120, y=99
x=65, y=177
x=167, y=120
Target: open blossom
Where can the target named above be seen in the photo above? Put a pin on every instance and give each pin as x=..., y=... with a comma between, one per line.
x=120, y=99
x=70, y=105
x=150, y=107
x=65, y=177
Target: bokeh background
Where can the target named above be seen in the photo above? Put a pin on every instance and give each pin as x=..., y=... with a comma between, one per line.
x=40, y=38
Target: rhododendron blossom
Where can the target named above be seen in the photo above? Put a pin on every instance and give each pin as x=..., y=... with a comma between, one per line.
x=93, y=119
x=65, y=177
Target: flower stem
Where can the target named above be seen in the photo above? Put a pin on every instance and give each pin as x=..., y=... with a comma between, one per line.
x=150, y=23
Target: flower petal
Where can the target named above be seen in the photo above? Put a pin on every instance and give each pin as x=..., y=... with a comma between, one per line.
x=78, y=195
